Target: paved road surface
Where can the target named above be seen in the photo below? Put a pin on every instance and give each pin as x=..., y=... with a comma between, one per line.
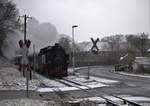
x=128, y=84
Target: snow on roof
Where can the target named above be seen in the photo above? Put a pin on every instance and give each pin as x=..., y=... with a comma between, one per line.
x=148, y=50
x=142, y=60
x=121, y=58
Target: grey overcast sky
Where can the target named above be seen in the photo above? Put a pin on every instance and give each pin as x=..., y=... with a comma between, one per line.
x=95, y=18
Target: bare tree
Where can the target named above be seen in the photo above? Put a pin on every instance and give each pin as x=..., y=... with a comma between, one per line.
x=8, y=19
x=65, y=42
x=138, y=42
x=113, y=42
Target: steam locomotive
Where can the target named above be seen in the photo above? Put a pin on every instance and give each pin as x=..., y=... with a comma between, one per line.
x=51, y=61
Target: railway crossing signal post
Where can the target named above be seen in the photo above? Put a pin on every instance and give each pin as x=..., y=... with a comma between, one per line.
x=25, y=62
x=34, y=58
x=94, y=50
x=25, y=47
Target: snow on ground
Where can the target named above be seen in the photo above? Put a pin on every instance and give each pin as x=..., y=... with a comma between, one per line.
x=57, y=89
x=117, y=100
x=94, y=100
x=136, y=98
x=105, y=81
x=18, y=84
x=143, y=101
x=27, y=102
x=11, y=79
x=92, y=82
x=8, y=74
x=82, y=80
x=48, y=82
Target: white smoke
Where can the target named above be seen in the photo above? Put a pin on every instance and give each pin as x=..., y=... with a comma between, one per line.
x=40, y=34
x=10, y=46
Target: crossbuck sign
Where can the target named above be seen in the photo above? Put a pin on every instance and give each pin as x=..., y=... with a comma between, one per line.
x=94, y=48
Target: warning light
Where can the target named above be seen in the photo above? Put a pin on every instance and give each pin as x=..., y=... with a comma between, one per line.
x=20, y=43
x=28, y=42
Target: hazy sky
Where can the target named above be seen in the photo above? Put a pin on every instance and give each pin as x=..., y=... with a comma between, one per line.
x=95, y=18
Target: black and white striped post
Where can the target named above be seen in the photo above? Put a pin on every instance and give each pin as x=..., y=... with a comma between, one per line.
x=26, y=45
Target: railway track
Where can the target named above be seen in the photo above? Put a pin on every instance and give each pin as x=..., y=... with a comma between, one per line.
x=58, y=92
x=110, y=99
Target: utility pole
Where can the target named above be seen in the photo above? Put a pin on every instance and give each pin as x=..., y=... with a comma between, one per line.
x=25, y=67
x=25, y=24
x=25, y=27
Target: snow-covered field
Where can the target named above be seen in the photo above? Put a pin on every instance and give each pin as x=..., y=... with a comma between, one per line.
x=18, y=84
x=11, y=79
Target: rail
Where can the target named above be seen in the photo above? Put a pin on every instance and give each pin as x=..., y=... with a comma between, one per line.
x=125, y=101
x=87, y=89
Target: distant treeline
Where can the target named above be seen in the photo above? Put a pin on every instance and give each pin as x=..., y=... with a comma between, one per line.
x=102, y=58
